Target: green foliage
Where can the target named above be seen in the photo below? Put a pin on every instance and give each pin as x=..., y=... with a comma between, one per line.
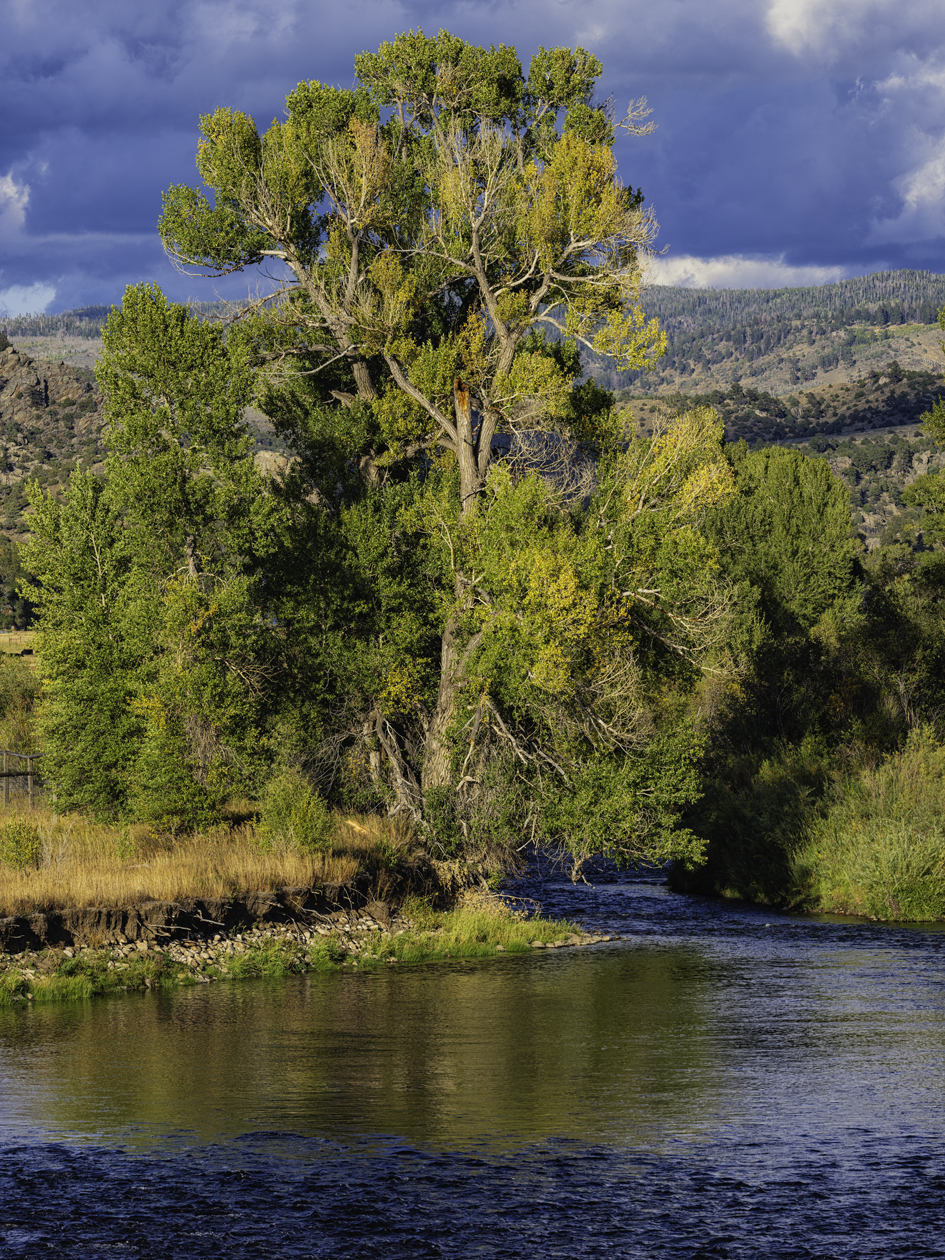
x=97, y=618
x=784, y=538
x=878, y=846
x=180, y=457
x=20, y=689
x=629, y=807
x=293, y=818
x=402, y=285
x=152, y=633
x=753, y=818
x=865, y=838
x=587, y=630
x=813, y=745
x=20, y=844
x=163, y=786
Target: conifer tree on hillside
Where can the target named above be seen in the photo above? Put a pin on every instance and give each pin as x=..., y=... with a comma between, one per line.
x=928, y=491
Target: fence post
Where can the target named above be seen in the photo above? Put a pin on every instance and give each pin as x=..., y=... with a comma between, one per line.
x=29, y=778
x=6, y=781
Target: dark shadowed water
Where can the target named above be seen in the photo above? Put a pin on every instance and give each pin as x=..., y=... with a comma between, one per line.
x=726, y=1082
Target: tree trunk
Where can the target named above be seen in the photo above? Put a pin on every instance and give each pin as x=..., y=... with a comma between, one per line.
x=436, y=768
x=469, y=478
x=403, y=780
x=453, y=658
x=362, y=379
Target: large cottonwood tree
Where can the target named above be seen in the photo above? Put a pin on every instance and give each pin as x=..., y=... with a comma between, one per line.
x=440, y=234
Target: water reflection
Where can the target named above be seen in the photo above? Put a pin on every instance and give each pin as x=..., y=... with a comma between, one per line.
x=577, y=1045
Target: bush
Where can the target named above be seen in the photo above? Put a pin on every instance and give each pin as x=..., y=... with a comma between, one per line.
x=879, y=849
x=293, y=818
x=20, y=844
x=798, y=832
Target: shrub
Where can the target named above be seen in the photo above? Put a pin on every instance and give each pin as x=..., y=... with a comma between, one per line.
x=293, y=817
x=20, y=844
x=162, y=787
x=879, y=849
x=799, y=832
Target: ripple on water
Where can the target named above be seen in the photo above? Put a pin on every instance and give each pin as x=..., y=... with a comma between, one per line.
x=308, y=1199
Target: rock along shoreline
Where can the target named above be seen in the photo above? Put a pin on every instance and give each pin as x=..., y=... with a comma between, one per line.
x=75, y=954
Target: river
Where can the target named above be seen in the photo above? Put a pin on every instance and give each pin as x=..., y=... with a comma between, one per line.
x=724, y=1082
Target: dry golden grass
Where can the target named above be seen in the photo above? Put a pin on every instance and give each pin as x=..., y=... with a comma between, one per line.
x=86, y=864
x=16, y=642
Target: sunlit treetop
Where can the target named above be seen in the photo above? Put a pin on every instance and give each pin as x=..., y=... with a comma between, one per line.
x=426, y=223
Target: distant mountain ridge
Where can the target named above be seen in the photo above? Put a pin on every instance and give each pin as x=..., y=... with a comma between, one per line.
x=909, y=297
x=845, y=371
x=779, y=340
x=83, y=321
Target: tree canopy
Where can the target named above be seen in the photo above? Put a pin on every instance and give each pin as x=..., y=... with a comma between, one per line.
x=429, y=220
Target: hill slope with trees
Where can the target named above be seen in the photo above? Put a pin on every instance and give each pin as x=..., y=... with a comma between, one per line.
x=782, y=340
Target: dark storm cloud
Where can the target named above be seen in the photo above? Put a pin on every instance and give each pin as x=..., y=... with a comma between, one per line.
x=797, y=138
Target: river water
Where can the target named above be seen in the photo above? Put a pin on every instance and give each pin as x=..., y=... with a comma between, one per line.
x=725, y=1082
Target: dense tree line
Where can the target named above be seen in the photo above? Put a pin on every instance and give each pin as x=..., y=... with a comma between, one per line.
x=823, y=775
x=81, y=321
x=885, y=297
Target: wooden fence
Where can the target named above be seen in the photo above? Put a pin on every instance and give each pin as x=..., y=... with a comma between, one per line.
x=29, y=773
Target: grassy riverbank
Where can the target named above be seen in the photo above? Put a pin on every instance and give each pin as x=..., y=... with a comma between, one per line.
x=428, y=910
x=485, y=927
x=74, y=862
x=865, y=838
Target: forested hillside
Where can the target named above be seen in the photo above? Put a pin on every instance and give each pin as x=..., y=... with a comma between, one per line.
x=732, y=350
x=783, y=339
x=83, y=321
x=51, y=421
x=776, y=341
x=887, y=398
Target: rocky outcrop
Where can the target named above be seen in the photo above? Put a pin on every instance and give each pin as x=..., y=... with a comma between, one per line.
x=50, y=416
x=30, y=387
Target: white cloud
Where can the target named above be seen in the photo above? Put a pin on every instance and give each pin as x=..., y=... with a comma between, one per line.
x=26, y=299
x=734, y=272
x=922, y=217
x=914, y=94
x=833, y=29
x=814, y=25
x=14, y=199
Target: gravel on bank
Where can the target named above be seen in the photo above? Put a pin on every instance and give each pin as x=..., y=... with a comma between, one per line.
x=348, y=941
